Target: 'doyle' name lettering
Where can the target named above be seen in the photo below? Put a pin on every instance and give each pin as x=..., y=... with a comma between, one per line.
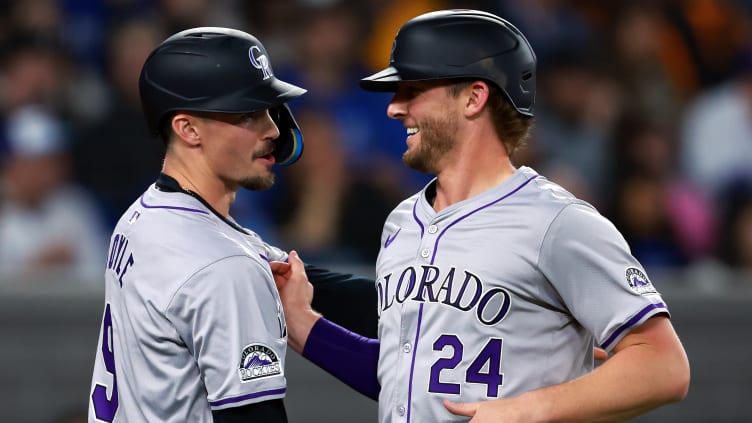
x=117, y=261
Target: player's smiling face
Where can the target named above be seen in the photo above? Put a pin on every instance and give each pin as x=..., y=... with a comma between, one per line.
x=431, y=123
x=238, y=148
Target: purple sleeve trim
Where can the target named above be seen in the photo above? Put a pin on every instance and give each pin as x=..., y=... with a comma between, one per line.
x=241, y=398
x=349, y=357
x=654, y=308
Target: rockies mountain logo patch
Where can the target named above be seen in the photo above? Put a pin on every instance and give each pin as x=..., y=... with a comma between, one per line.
x=258, y=361
x=639, y=281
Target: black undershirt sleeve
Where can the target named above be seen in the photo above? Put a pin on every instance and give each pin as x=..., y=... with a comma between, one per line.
x=272, y=411
x=345, y=299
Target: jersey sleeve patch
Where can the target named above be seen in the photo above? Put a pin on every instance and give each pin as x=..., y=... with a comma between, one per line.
x=638, y=281
x=258, y=361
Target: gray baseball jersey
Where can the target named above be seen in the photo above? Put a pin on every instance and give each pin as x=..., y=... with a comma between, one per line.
x=192, y=320
x=499, y=294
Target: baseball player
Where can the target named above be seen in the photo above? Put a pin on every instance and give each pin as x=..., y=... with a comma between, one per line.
x=493, y=282
x=193, y=328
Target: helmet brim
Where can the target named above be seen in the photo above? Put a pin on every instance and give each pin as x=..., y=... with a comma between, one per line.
x=268, y=96
x=273, y=94
x=388, y=79
x=383, y=81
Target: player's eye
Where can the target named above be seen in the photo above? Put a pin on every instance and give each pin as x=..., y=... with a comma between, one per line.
x=251, y=116
x=409, y=91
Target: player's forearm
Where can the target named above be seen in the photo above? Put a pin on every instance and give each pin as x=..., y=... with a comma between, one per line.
x=349, y=357
x=299, y=327
x=635, y=380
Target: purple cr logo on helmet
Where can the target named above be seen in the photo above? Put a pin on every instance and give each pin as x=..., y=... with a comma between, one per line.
x=260, y=61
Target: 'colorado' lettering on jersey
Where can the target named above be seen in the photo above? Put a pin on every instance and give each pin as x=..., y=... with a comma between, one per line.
x=429, y=283
x=485, y=298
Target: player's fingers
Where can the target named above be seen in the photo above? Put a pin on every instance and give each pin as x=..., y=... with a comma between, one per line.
x=461, y=408
x=296, y=264
x=280, y=272
x=599, y=354
x=279, y=267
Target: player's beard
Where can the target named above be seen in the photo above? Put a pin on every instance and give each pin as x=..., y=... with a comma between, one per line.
x=258, y=182
x=436, y=140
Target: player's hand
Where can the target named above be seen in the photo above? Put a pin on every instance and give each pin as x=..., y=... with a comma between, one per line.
x=296, y=293
x=294, y=288
x=501, y=410
x=462, y=408
x=599, y=354
x=281, y=271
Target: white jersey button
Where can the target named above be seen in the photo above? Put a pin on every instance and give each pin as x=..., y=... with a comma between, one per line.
x=425, y=253
x=401, y=410
x=432, y=229
x=407, y=348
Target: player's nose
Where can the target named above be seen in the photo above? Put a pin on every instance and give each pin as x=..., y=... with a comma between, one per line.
x=272, y=131
x=397, y=108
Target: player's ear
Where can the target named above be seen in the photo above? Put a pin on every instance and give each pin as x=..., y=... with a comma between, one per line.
x=476, y=95
x=185, y=128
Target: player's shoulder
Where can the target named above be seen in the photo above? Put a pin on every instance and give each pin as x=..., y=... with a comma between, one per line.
x=549, y=195
x=555, y=206
x=161, y=218
x=175, y=230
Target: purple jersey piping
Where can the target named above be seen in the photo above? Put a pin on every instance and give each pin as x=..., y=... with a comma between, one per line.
x=433, y=257
x=436, y=244
x=172, y=207
x=415, y=216
x=631, y=322
x=412, y=364
x=247, y=397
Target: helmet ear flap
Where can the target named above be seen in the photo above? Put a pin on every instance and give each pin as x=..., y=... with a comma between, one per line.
x=289, y=145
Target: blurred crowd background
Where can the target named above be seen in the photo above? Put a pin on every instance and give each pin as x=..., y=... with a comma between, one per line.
x=644, y=108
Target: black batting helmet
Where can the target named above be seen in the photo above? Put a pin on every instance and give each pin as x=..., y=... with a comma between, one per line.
x=223, y=70
x=450, y=44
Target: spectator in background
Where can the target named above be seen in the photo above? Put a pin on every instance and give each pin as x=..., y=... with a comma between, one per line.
x=563, y=21
x=575, y=115
x=49, y=57
x=116, y=156
x=316, y=192
x=49, y=228
x=664, y=218
x=178, y=15
x=633, y=54
x=683, y=45
x=701, y=41
x=731, y=265
x=736, y=231
x=304, y=208
x=388, y=17
x=35, y=70
x=716, y=134
x=327, y=61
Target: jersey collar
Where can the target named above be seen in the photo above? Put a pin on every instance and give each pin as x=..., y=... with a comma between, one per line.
x=167, y=183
